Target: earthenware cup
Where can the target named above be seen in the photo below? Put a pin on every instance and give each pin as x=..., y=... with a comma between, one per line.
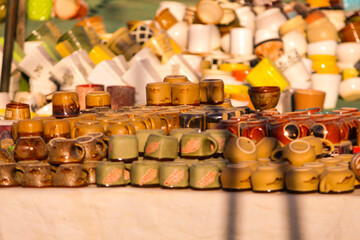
x=161, y=148
x=83, y=89
x=176, y=79
x=65, y=151
x=5, y=156
x=65, y=104
x=29, y=127
x=308, y=98
x=240, y=149
x=120, y=128
x=302, y=179
x=158, y=94
x=98, y=99
x=284, y=130
x=169, y=119
x=87, y=126
x=198, y=145
x=17, y=111
x=193, y=119
x=204, y=176
x=267, y=179
x=187, y=93
x=121, y=96
x=8, y=175
x=296, y=152
x=212, y=91
x=145, y=173
x=56, y=128
x=236, y=177
x=254, y=129
x=123, y=148
x=337, y=179
x=30, y=148
x=327, y=128
x=110, y=174
x=266, y=146
x=95, y=150
x=70, y=175
x=321, y=146
x=264, y=97
x=36, y=175
x=174, y=175
x=143, y=135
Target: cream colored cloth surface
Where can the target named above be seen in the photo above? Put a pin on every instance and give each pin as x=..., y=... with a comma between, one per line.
x=156, y=214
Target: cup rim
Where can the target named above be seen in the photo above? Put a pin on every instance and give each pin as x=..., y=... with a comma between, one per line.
x=244, y=150
x=308, y=146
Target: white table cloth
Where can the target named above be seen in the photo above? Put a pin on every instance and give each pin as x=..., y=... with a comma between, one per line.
x=153, y=213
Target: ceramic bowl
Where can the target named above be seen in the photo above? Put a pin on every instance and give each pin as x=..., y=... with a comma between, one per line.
x=350, y=89
x=348, y=52
x=265, y=97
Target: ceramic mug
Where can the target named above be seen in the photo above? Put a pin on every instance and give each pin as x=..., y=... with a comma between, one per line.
x=123, y=148
x=337, y=179
x=174, y=175
x=66, y=151
x=121, y=96
x=321, y=146
x=30, y=148
x=87, y=126
x=256, y=130
x=120, y=127
x=198, y=145
x=65, y=104
x=95, y=149
x=302, y=179
x=29, y=127
x=8, y=175
x=212, y=91
x=90, y=167
x=17, y=111
x=70, y=175
x=267, y=179
x=158, y=94
x=193, y=119
x=185, y=94
x=236, y=177
x=284, y=130
x=145, y=173
x=297, y=153
x=266, y=146
x=222, y=136
x=204, y=176
x=56, y=128
x=110, y=174
x=83, y=89
x=143, y=135
x=240, y=149
x=98, y=99
x=161, y=148
x=36, y=175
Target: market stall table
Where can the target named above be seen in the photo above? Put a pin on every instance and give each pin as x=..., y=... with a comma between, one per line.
x=153, y=213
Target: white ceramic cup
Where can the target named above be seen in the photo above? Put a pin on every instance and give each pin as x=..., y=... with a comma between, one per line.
x=246, y=17
x=225, y=43
x=272, y=18
x=241, y=41
x=199, y=38
x=215, y=38
x=178, y=9
x=179, y=32
x=327, y=47
x=348, y=52
x=294, y=70
x=262, y=35
x=295, y=40
x=329, y=83
x=349, y=89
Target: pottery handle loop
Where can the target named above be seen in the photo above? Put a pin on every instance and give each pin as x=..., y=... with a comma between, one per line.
x=324, y=186
x=82, y=150
x=85, y=174
x=167, y=128
x=19, y=172
x=102, y=146
x=73, y=131
x=191, y=120
x=328, y=143
x=255, y=130
x=53, y=170
x=275, y=152
x=215, y=143
x=131, y=129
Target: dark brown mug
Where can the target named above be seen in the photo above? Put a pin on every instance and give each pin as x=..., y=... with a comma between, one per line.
x=17, y=111
x=30, y=148
x=66, y=151
x=65, y=104
x=95, y=150
x=8, y=176
x=56, y=128
x=36, y=175
x=70, y=175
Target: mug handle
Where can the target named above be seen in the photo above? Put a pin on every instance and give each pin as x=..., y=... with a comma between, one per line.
x=215, y=143
x=85, y=175
x=73, y=131
x=82, y=149
x=329, y=144
x=193, y=119
x=324, y=186
x=275, y=152
x=131, y=129
x=146, y=123
x=168, y=126
x=53, y=171
x=19, y=172
x=257, y=129
x=102, y=146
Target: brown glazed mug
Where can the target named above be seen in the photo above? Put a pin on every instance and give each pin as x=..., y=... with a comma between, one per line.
x=90, y=167
x=30, y=148
x=121, y=96
x=327, y=128
x=17, y=111
x=284, y=130
x=304, y=123
x=70, y=175
x=84, y=89
x=120, y=128
x=8, y=175
x=37, y=175
x=351, y=32
x=158, y=94
x=72, y=121
x=87, y=126
x=140, y=123
x=95, y=150
x=169, y=119
x=98, y=99
x=255, y=130
x=29, y=127
x=65, y=104
x=56, y=128
x=176, y=79
x=187, y=93
x=100, y=136
x=212, y=91
x=104, y=121
x=234, y=126
x=66, y=151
